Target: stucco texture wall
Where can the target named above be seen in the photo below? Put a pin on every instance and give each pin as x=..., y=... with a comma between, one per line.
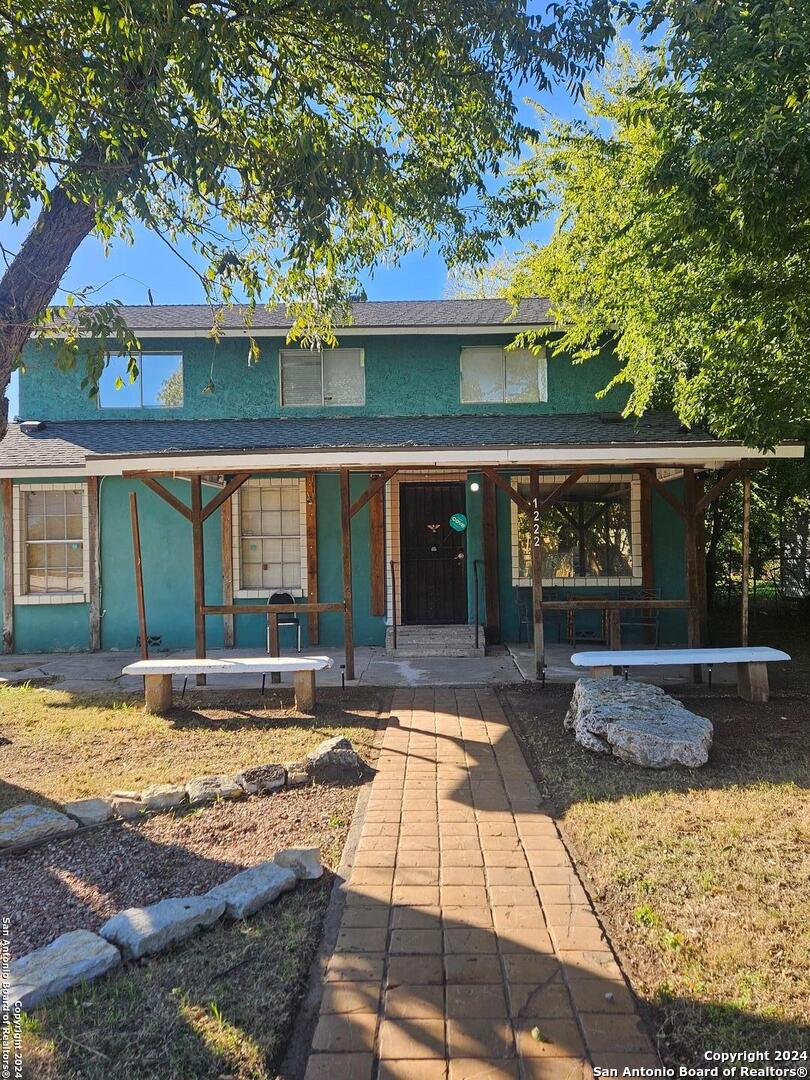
x=405, y=375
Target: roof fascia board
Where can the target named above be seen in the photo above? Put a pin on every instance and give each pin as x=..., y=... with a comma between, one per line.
x=340, y=331
x=702, y=456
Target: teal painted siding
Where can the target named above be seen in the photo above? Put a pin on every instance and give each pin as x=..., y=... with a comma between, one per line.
x=406, y=375
x=167, y=567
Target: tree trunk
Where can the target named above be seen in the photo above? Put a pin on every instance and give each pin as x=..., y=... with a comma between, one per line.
x=29, y=283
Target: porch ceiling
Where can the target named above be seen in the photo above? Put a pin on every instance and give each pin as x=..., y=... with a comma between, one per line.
x=111, y=447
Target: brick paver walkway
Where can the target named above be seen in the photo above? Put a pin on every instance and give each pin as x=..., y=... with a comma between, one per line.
x=467, y=947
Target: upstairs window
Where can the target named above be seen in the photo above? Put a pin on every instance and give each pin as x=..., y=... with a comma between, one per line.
x=158, y=384
x=324, y=377
x=495, y=376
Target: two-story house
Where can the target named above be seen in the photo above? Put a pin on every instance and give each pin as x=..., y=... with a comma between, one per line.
x=419, y=474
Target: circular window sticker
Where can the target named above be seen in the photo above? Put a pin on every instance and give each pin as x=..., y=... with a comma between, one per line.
x=458, y=522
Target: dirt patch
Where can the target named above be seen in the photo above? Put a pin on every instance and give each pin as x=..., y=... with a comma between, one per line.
x=700, y=875
x=82, y=880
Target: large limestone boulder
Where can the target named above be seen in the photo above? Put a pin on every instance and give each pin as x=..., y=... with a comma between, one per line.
x=147, y=930
x=335, y=760
x=69, y=960
x=28, y=823
x=638, y=723
x=250, y=890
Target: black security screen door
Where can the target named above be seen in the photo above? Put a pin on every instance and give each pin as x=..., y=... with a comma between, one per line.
x=434, y=574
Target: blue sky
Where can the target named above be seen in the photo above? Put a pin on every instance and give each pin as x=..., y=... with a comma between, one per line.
x=125, y=271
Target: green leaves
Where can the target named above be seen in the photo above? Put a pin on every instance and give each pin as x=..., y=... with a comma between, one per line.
x=668, y=242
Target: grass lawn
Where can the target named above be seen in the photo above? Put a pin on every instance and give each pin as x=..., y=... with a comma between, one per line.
x=702, y=877
x=57, y=746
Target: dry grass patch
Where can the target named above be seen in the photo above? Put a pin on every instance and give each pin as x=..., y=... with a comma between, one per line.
x=220, y=1006
x=59, y=746
x=701, y=876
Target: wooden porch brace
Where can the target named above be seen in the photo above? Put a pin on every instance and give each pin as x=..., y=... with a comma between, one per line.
x=346, y=536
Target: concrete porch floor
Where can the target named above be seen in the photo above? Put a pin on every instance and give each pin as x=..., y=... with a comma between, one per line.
x=101, y=672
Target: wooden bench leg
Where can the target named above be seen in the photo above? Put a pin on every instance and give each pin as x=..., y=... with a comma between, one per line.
x=601, y=672
x=752, y=682
x=304, y=682
x=158, y=693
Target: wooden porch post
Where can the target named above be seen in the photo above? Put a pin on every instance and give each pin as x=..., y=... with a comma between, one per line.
x=537, y=573
x=647, y=549
x=492, y=602
x=346, y=534
x=226, y=549
x=93, y=537
x=746, y=559
x=692, y=576
x=198, y=570
x=313, y=624
x=376, y=550
x=8, y=565
x=139, y=594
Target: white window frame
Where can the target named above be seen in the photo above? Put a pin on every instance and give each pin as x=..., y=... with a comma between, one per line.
x=322, y=404
x=236, y=532
x=141, y=354
x=21, y=595
x=601, y=580
x=542, y=376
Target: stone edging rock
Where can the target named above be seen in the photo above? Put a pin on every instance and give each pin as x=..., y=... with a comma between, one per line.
x=81, y=956
x=24, y=826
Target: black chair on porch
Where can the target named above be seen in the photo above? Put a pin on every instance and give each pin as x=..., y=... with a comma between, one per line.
x=284, y=619
x=523, y=600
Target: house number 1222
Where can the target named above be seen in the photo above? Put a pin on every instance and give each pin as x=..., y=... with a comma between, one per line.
x=536, y=524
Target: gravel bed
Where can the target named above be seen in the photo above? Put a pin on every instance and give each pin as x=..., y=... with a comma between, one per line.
x=79, y=882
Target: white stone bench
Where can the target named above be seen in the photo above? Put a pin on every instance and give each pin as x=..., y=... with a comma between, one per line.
x=752, y=671
x=157, y=675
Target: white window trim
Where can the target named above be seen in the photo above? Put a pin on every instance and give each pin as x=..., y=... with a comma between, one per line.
x=323, y=404
x=542, y=378
x=138, y=408
x=20, y=594
x=602, y=580
x=236, y=519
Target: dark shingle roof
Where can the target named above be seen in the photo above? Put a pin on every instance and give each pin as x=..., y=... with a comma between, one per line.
x=378, y=314
x=66, y=444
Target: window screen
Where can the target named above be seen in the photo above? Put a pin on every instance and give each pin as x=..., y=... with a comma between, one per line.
x=330, y=377
x=54, y=541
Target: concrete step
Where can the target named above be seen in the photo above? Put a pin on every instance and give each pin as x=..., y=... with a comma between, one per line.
x=417, y=641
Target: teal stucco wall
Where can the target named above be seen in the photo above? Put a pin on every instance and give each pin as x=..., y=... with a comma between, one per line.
x=405, y=375
x=167, y=562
